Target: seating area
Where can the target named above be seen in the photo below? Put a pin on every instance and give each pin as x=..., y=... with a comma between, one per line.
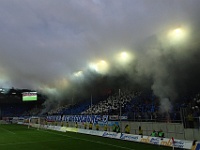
x=138, y=106
x=15, y=110
x=111, y=105
x=135, y=105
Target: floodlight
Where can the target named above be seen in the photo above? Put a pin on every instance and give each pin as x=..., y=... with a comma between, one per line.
x=124, y=57
x=177, y=35
x=99, y=66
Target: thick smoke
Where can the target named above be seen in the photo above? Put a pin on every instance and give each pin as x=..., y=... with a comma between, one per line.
x=42, y=45
x=171, y=71
x=165, y=105
x=173, y=68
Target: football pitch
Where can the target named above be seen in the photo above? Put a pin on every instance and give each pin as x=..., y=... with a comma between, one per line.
x=19, y=137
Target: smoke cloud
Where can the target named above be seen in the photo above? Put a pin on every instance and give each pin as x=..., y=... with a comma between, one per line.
x=49, y=47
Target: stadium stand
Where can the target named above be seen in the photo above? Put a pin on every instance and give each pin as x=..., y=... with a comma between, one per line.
x=136, y=106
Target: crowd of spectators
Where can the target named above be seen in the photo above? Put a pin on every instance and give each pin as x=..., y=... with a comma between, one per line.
x=111, y=105
x=136, y=105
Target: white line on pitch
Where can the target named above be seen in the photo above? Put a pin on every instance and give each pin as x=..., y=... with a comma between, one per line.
x=7, y=130
x=98, y=142
x=31, y=142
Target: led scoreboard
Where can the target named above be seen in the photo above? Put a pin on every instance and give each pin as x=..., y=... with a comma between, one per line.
x=29, y=96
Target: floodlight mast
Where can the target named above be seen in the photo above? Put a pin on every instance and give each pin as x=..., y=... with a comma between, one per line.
x=72, y=101
x=91, y=107
x=120, y=110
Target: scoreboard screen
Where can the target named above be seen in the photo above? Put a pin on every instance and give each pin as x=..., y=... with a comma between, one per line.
x=29, y=96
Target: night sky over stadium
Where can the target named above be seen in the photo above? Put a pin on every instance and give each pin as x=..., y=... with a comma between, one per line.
x=60, y=46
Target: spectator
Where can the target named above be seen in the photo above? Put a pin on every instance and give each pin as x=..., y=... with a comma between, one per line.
x=140, y=131
x=161, y=134
x=114, y=128
x=85, y=125
x=97, y=126
x=153, y=134
x=90, y=126
x=67, y=124
x=76, y=125
x=127, y=129
x=117, y=129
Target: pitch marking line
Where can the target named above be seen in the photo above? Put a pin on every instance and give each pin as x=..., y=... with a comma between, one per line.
x=97, y=142
x=33, y=142
x=7, y=130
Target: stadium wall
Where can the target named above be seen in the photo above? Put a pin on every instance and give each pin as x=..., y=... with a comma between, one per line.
x=170, y=130
x=182, y=144
x=175, y=130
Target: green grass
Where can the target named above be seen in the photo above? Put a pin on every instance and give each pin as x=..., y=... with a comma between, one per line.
x=19, y=137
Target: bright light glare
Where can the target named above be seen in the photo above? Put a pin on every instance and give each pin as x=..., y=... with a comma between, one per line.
x=177, y=35
x=178, y=31
x=124, y=57
x=78, y=74
x=100, y=66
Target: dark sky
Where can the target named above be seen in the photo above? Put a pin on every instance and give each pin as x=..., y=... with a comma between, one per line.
x=45, y=43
